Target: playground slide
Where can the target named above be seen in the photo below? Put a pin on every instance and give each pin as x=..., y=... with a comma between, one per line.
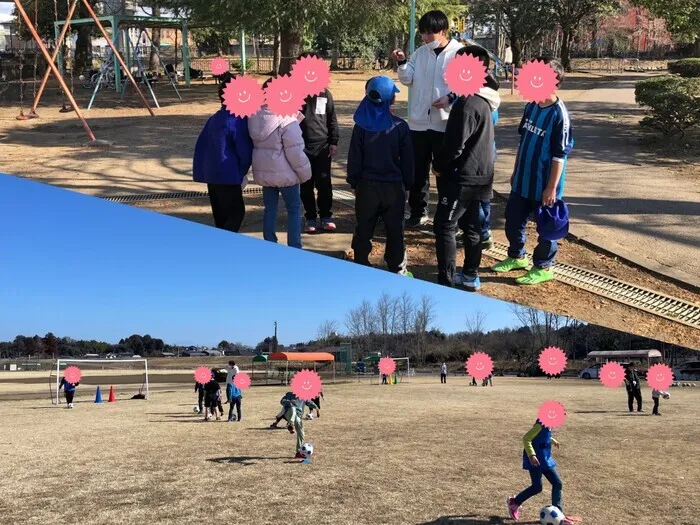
x=495, y=60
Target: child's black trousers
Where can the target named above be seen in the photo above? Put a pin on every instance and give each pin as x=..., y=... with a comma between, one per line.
x=374, y=199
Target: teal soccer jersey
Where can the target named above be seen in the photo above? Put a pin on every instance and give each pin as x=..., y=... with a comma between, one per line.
x=545, y=137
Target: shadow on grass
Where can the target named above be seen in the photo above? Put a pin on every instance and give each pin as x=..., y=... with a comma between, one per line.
x=244, y=460
x=471, y=520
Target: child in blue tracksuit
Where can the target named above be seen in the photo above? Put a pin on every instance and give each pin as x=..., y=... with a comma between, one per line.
x=68, y=390
x=546, y=139
x=235, y=396
x=222, y=157
x=538, y=461
x=380, y=171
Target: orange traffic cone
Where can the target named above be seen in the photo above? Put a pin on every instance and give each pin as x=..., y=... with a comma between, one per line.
x=112, y=395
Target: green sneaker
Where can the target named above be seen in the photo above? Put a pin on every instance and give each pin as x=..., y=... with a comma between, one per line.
x=536, y=276
x=511, y=264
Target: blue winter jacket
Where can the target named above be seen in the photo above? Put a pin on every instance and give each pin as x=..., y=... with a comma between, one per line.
x=224, y=151
x=542, y=443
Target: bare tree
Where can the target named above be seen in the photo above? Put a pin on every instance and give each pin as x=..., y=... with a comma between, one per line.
x=545, y=328
x=383, y=313
x=476, y=324
x=326, y=330
x=406, y=313
x=425, y=314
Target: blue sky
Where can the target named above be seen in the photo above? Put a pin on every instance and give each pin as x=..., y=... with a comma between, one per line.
x=82, y=267
x=6, y=8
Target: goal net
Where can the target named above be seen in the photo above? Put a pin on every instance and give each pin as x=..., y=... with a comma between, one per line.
x=402, y=374
x=129, y=377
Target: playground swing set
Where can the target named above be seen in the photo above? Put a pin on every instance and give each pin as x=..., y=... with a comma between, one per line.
x=55, y=61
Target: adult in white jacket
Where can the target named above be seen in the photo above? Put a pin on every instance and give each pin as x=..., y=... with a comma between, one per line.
x=280, y=166
x=424, y=73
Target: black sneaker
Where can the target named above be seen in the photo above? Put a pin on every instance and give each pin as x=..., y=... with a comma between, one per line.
x=416, y=221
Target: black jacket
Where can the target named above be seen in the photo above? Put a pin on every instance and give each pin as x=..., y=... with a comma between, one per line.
x=385, y=156
x=320, y=131
x=466, y=156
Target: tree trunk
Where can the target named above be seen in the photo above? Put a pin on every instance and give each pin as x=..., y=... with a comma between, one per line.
x=291, y=48
x=696, y=51
x=393, y=44
x=276, y=54
x=153, y=64
x=335, y=54
x=566, y=42
x=83, y=51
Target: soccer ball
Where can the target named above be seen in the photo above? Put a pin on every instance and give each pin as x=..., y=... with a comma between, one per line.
x=667, y=396
x=307, y=450
x=195, y=409
x=309, y=416
x=551, y=515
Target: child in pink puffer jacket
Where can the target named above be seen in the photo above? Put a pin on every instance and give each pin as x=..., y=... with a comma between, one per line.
x=279, y=166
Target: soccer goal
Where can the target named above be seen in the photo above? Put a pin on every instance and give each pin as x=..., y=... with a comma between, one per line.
x=128, y=376
x=402, y=374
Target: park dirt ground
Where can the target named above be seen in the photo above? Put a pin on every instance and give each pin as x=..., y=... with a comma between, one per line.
x=153, y=155
x=417, y=453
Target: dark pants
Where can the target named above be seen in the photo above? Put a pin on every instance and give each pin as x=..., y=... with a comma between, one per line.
x=69, y=396
x=485, y=219
x=518, y=210
x=656, y=406
x=457, y=206
x=386, y=200
x=536, y=487
x=443, y=378
x=384, y=381
x=321, y=181
x=227, y=205
x=426, y=145
x=200, y=400
x=234, y=402
x=631, y=396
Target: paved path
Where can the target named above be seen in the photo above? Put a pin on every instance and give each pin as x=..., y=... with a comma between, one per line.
x=620, y=198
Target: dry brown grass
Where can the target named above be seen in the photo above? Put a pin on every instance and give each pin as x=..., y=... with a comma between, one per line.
x=419, y=453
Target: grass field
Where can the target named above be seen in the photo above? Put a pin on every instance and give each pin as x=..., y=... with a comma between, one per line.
x=419, y=453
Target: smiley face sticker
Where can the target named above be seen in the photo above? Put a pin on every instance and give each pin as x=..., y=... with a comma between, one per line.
x=552, y=360
x=387, y=365
x=536, y=81
x=242, y=381
x=202, y=375
x=243, y=96
x=612, y=375
x=659, y=377
x=551, y=414
x=479, y=366
x=284, y=96
x=312, y=74
x=219, y=66
x=465, y=75
x=73, y=375
x=306, y=385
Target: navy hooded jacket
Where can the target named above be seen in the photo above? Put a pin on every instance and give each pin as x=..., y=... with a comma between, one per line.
x=224, y=151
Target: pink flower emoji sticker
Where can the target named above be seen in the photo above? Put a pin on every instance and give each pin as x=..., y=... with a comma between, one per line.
x=659, y=377
x=243, y=96
x=387, y=365
x=72, y=375
x=465, y=75
x=552, y=360
x=612, y=375
x=241, y=381
x=219, y=66
x=284, y=96
x=479, y=365
x=312, y=74
x=306, y=385
x=536, y=81
x=202, y=375
x=551, y=414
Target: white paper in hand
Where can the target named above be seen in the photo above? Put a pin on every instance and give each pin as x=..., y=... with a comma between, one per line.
x=321, y=103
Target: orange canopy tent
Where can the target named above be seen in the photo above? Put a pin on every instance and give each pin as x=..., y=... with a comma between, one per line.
x=303, y=356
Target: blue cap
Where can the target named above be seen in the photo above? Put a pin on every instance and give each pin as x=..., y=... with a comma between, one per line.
x=553, y=221
x=381, y=89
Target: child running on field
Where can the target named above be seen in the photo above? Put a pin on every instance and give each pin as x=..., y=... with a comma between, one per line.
x=317, y=402
x=538, y=461
x=380, y=171
x=199, y=388
x=538, y=179
x=68, y=390
x=655, y=395
x=212, y=398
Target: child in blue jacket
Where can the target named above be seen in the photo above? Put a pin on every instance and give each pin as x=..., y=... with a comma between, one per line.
x=222, y=157
x=69, y=390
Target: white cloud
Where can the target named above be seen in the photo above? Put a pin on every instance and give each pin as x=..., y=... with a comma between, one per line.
x=6, y=8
